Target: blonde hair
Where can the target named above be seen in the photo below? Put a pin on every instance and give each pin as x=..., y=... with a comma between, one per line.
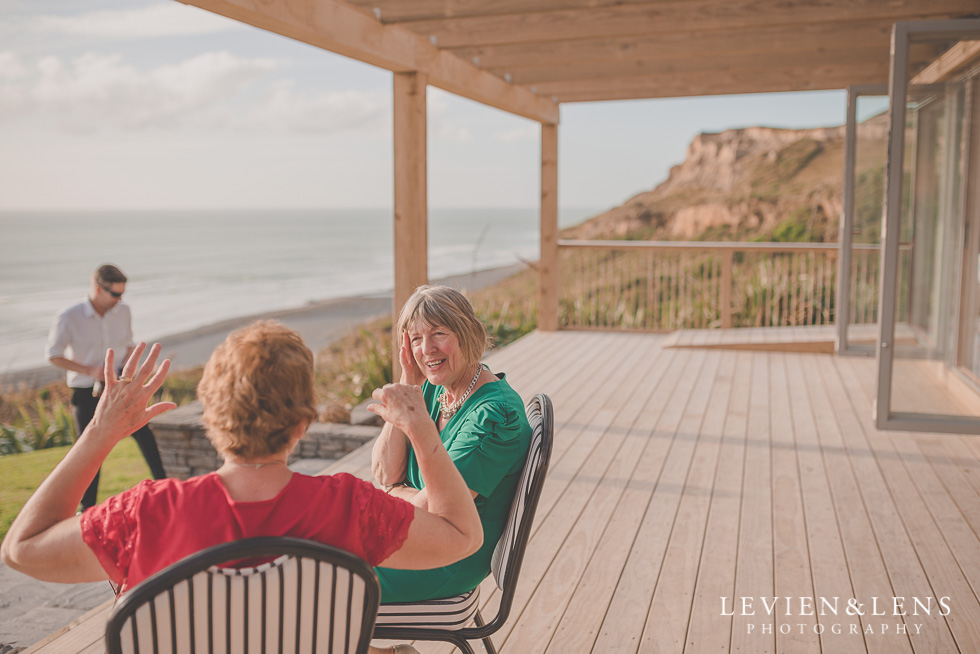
x=257, y=386
x=435, y=305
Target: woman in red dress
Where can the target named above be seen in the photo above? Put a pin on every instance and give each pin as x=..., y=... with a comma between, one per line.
x=257, y=392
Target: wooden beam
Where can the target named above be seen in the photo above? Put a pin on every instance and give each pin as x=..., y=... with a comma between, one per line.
x=548, y=264
x=338, y=27
x=411, y=205
x=760, y=64
x=691, y=44
x=672, y=16
x=672, y=86
x=949, y=63
x=396, y=11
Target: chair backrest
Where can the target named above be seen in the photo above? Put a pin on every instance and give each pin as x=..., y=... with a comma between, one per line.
x=312, y=598
x=508, y=556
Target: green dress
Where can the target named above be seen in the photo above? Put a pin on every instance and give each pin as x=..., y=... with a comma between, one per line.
x=488, y=440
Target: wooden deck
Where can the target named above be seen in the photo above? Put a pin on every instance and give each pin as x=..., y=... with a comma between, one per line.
x=682, y=476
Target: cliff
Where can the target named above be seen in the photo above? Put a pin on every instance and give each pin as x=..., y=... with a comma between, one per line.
x=752, y=183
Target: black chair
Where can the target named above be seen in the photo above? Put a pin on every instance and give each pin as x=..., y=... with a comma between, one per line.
x=446, y=619
x=310, y=598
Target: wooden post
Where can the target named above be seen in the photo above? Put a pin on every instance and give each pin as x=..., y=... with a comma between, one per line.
x=411, y=208
x=548, y=264
x=726, y=288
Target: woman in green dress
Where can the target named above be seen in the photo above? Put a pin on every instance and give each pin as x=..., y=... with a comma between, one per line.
x=480, y=420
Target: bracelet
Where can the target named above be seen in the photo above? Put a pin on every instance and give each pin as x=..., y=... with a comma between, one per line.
x=388, y=489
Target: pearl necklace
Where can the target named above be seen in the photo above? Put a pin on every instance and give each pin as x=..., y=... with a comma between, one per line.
x=449, y=411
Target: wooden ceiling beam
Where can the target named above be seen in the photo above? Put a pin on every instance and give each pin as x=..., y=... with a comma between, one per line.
x=692, y=44
x=715, y=83
x=395, y=11
x=340, y=28
x=681, y=66
x=672, y=16
x=958, y=57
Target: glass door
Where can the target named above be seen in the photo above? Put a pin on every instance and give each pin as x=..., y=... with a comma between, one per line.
x=925, y=314
x=865, y=150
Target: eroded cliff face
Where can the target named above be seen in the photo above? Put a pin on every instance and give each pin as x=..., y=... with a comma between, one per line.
x=745, y=183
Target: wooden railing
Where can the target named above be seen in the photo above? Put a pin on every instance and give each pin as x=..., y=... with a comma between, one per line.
x=660, y=286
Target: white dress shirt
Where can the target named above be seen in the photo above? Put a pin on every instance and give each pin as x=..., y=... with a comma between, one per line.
x=82, y=335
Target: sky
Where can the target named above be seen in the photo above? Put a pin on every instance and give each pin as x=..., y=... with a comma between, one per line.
x=150, y=104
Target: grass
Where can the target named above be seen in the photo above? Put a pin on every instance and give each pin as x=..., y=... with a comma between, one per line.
x=21, y=474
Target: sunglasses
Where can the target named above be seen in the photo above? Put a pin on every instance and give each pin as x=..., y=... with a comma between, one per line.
x=111, y=292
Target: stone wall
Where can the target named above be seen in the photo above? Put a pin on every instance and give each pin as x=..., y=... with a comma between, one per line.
x=186, y=451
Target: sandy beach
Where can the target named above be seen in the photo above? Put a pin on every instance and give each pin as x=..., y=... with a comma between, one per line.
x=320, y=324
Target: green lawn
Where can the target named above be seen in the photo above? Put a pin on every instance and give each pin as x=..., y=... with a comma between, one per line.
x=20, y=474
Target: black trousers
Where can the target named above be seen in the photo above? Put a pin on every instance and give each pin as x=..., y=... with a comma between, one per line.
x=83, y=409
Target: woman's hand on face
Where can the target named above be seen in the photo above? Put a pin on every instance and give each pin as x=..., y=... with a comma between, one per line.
x=400, y=405
x=123, y=409
x=411, y=374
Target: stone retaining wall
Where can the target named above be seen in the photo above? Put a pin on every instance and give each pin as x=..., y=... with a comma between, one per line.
x=186, y=451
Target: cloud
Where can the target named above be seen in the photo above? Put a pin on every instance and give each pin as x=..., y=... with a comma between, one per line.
x=10, y=67
x=438, y=105
x=454, y=133
x=156, y=20
x=214, y=90
x=284, y=108
x=529, y=133
x=96, y=91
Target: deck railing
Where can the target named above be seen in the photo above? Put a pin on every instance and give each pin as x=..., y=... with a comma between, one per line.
x=660, y=286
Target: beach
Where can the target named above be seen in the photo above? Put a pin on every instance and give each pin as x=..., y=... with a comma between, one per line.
x=320, y=324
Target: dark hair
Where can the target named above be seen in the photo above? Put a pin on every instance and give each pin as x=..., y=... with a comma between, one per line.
x=107, y=274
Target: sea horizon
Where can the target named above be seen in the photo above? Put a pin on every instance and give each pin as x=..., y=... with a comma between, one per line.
x=189, y=269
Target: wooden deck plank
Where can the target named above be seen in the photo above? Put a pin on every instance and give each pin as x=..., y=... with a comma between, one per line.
x=959, y=537
x=791, y=556
x=669, y=616
x=964, y=457
x=605, y=485
x=86, y=632
x=573, y=437
x=753, y=572
x=627, y=611
x=827, y=559
x=850, y=403
x=581, y=620
x=943, y=574
x=950, y=550
x=962, y=495
x=972, y=443
x=864, y=558
x=580, y=624
x=709, y=629
x=576, y=438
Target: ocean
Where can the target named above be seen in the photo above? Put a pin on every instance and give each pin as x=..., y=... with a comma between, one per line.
x=188, y=269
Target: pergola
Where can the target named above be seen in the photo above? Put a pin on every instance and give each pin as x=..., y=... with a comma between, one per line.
x=527, y=57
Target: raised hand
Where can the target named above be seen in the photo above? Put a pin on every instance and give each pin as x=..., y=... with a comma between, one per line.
x=411, y=374
x=123, y=409
x=400, y=405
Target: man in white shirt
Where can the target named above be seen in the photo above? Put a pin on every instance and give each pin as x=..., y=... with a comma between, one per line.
x=78, y=342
